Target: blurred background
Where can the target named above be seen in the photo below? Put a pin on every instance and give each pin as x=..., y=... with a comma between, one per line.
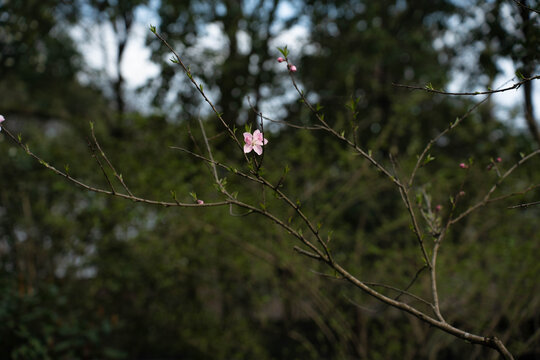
x=84, y=276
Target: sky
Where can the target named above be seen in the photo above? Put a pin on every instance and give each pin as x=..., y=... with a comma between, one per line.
x=137, y=67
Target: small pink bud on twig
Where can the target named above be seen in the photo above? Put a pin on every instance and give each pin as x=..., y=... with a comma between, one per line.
x=499, y=159
x=280, y=59
x=438, y=208
x=461, y=193
x=2, y=119
x=463, y=166
x=292, y=68
x=200, y=202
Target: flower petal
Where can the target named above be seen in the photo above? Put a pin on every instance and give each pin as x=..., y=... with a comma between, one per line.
x=265, y=142
x=248, y=148
x=247, y=138
x=258, y=149
x=257, y=135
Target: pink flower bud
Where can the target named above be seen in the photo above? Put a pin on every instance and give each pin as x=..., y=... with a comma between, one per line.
x=438, y=208
x=461, y=193
x=200, y=202
x=280, y=59
x=463, y=166
x=499, y=159
x=2, y=119
x=292, y=68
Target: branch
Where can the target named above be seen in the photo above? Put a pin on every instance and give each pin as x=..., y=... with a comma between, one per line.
x=217, y=163
x=93, y=150
x=441, y=324
x=428, y=88
x=307, y=253
x=412, y=281
x=118, y=176
x=102, y=191
x=401, y=292
x=526, y=7
x=404, y=192
x=435, y=139
x=491, y=342
x=327, y=127
x=199, y=87
x=486, y=198
x=524, y=205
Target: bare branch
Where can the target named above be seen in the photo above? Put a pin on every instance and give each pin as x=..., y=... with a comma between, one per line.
x=307, y=253
x=401, y=292
x=103, y=191
x=413, y=280
x=116, y=174
x=199, y=88
x=327, y=127
x=525, y=6
x=486, y=198
x=524, y=205
x=491, y=342
x=436, y=138
x=93, y=150
x=489, y=92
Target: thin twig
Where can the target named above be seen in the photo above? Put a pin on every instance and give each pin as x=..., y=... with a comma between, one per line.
x=306, y=253
x=199, y=88
x=400, y=291
x=491, y=342
x=103, y=191
x=526, y=7
x=489, y=92
x=524, y=205
x=413, y=280
x=435, y=139
x=296, y=208
x=486, y=198
x=94, y=155
x=404, y=192
x=210, y=156
x=327, y=127
x=217, y=163
x=116, y=174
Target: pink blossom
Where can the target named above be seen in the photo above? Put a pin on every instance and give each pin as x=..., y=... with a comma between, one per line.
x=463, y=166
x=254, y=142
x=2, y=119
x=280, y=59
x=499, y=159
x=200, y=202
x=438, y=208
x=292, y=68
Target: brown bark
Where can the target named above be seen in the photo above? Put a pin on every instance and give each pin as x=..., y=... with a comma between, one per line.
x=527, y=61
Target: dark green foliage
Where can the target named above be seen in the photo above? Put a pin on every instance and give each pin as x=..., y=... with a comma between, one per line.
x=86, y=276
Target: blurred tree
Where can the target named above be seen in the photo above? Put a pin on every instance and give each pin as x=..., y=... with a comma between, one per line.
x=39, y=62
x=227, y=44
x=120, y=14
x=86, y=276
x=366, y=47
x=503, y=30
